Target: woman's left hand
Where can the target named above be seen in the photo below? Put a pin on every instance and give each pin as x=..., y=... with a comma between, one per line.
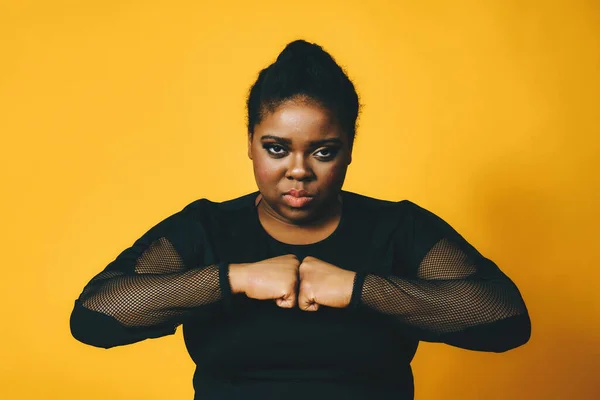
x=323, y=284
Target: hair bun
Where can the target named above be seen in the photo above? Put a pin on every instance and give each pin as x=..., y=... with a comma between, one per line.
x=304, y=70
x=298, y=49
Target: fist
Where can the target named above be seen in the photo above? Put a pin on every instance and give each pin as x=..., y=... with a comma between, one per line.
x=271, y=279
x=323, y=284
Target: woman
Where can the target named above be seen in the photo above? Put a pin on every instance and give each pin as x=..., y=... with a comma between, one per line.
x=301, y=289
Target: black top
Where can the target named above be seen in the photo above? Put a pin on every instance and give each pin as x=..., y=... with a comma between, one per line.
x=418, y=279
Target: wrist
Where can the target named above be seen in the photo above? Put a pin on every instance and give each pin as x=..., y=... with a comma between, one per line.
x=349, y=279
x=237, y=279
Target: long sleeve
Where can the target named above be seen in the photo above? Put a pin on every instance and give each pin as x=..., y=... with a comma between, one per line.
x=450, y=294
x=150, y=288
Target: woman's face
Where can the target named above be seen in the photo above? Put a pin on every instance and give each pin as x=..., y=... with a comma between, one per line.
x=298, y=146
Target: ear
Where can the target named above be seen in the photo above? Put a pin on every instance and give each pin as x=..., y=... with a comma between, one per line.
x=250, y=145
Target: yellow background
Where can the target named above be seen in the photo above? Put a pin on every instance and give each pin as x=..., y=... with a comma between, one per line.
x=116, y=114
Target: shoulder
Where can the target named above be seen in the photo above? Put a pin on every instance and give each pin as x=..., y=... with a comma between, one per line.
x=363, y=202
x=205, y=207
x=400, y=213
x=198, y=216
x=372, y=204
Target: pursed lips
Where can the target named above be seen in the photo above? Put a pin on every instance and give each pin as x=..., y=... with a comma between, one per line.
x=298, y=193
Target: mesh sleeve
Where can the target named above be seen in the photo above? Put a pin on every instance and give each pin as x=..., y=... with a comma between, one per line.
x=149, y=289
x=451, y=294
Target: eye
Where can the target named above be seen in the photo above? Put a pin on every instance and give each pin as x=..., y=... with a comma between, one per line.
x=274, y=149
x=327, y=153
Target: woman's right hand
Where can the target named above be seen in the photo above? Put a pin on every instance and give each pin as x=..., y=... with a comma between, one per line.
x=271, y=279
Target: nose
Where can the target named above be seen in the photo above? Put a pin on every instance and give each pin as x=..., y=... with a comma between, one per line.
x=299, y=169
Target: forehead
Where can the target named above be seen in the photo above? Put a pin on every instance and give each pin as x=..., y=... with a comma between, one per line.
x=299, y=121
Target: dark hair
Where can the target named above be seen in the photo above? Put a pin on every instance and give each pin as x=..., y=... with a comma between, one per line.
x=304, y=71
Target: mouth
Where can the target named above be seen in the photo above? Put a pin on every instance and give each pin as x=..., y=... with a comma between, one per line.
x=297, y=201
x=298, y=193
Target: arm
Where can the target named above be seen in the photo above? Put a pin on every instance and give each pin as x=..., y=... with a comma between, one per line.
x=451, y=294
x=150, y=288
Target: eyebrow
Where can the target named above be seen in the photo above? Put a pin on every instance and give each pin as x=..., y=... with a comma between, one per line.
x=311, y=143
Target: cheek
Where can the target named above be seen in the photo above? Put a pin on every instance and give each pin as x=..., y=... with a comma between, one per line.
x=333, y=175
x=264, y=170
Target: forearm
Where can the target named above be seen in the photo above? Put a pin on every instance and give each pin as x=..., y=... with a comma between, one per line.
x=450, y=311
x=127, y=308
x=150, y=299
